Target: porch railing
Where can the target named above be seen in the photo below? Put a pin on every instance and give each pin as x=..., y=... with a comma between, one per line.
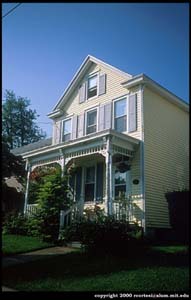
x=123, y=210
x=73, y=213
x=31, y=209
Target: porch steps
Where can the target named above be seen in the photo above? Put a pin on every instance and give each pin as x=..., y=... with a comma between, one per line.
x=74, y=244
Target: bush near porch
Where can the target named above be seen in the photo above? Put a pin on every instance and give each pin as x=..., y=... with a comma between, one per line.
x=52, y=196
x=104, y=234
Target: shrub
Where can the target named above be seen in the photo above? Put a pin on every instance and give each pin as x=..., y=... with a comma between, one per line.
x=178, y=204
x=15, y=223
x=107, y=235
x=52, y=197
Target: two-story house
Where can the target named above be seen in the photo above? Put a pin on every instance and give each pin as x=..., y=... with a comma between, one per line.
x=127, y=136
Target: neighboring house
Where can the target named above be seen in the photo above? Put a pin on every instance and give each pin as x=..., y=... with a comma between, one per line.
x=13, y=195
x=126, y=135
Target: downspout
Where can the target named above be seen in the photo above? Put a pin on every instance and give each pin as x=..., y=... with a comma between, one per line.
x=142, y=163
x=27, y=168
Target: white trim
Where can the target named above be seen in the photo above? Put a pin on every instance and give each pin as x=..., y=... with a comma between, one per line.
x=97, y=135
x=153, y=85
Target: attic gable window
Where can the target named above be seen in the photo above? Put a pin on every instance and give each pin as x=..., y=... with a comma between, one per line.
x=67, y=126
x=92, y=86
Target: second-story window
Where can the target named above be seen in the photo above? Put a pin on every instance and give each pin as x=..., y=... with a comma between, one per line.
x=92, y=86
x=120, y=115
x=67, y=130
x=91, y=121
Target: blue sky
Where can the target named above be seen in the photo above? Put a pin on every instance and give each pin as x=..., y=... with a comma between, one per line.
x=44, y=44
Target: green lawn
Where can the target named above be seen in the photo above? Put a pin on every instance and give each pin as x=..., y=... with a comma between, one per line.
x=13, y=244
x=147, y=271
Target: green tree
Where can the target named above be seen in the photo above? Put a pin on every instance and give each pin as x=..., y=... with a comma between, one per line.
x=18, y=121
x=11, y=165
x=52, y=196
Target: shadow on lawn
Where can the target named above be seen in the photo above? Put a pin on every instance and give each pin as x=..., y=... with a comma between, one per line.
x=81, y=264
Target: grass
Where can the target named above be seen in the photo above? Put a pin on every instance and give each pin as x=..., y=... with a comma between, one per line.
x=148, y=271
x=171, y=249
x=14, y=244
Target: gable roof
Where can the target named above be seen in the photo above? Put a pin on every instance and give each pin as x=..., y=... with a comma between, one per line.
x=89, y=60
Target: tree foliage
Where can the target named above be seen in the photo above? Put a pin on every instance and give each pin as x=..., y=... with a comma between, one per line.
x=11, y=165
x=18, y=121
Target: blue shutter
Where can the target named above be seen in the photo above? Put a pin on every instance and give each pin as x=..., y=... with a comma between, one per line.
x=81, y=125
x=78, y=183
x=74, y=127
x=99, y=183
x=82, y=93
x=132, y=113
x=102, y=84
x=101, y=124
x=107, y=123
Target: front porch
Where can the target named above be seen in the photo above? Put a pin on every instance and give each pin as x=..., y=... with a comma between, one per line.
x=101, y=167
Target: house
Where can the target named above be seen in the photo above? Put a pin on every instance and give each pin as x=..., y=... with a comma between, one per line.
x=127, y=137
x=13, y=195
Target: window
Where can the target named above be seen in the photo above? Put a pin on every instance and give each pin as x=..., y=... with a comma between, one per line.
x=92, y=86
x=120, y=184
x=91, y=124
x=120, y=115
x=90, y=184
x=67, y=130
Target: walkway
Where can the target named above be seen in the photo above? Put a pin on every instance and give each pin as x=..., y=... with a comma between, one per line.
x=32, y=256
x=35, y=255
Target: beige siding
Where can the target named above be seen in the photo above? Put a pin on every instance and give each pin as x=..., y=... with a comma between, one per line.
x=166, y=155
x=114, y=90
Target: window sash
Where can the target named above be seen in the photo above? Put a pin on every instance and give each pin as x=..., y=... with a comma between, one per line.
x=92, y=82
x=120, y=108
x=91, y=123
x=121, y=123
x=67, y=130
x=92, y=86
x=121, y=186
x=120, y=115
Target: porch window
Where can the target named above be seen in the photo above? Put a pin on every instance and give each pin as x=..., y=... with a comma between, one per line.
x=92, y=86
x=91, y=124
x=120, y=184
x=67, y=130
x=90, y=184
x=120, y=115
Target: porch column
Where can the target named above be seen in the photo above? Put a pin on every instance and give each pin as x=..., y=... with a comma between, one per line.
x=82, y=195
x=28, y=168
x=62, y=162
x=108, y=161
x=62, y=166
